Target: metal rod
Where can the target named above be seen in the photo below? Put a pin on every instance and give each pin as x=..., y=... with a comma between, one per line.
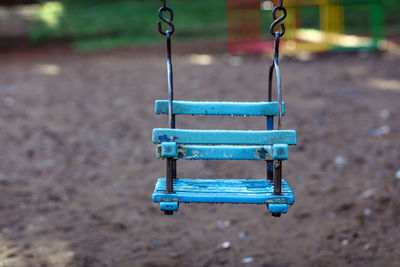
x=171, y=163
x=278, y=77
x=270, y=170
x=275, y=169
x=278, y=163
x=278, y=177
x=169, y=182
x=171, y=116
x=270, y=124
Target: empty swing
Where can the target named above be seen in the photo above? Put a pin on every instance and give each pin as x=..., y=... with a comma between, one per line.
x=270, y=145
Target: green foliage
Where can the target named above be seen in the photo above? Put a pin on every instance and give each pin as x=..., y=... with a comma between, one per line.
x=108, y=23
x=90, y=23
x=392, y=10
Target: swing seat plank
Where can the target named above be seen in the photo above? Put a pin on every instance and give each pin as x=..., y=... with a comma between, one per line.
x=232, y=191
x=225, y=137
x=220, y=108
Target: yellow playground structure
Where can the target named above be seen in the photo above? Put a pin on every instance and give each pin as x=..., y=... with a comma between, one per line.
x=329, y=33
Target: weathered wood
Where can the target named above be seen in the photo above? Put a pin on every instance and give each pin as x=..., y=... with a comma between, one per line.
x=220, y=108
x=225, y=137
x=192, y=152
x=223, y=191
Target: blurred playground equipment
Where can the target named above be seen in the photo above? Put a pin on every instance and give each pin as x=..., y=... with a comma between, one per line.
x=328, y=32
x=16, y=20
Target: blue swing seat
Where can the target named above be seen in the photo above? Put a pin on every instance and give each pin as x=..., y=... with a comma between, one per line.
x=222, y=145
x=224, y=191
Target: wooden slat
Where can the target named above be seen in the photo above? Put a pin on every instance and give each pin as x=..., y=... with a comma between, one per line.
x=222, y=152
x=225, y=137
x=219, y=108
x=223, y=191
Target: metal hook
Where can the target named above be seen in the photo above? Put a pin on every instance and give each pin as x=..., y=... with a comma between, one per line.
x=166, y=20
x=280, y=7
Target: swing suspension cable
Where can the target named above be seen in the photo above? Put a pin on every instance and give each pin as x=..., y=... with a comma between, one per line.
x=274, y=169
x=171, y=163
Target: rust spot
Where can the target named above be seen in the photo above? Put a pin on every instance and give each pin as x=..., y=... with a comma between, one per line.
x=277, y=201
x=262, y=153
x=181, y=152
x=163, y=199
x=158, y=151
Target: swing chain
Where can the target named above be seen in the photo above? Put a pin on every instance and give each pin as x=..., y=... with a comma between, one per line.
x=277, y=20
x=166, y=20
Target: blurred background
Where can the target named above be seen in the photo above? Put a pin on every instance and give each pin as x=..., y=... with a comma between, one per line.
x=78, y=80
x=91, y=24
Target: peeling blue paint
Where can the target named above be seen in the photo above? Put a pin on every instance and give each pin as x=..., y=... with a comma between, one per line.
x=223, y=145
x=220, y=108
x=223, y=191
x=165, y=138
x=262, y=153
x=225, y=137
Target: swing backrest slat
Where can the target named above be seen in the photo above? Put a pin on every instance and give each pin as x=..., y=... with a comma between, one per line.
x=224, y=137
x=220, y=108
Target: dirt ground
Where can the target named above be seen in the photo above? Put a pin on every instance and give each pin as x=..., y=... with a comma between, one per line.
x=78, y=167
